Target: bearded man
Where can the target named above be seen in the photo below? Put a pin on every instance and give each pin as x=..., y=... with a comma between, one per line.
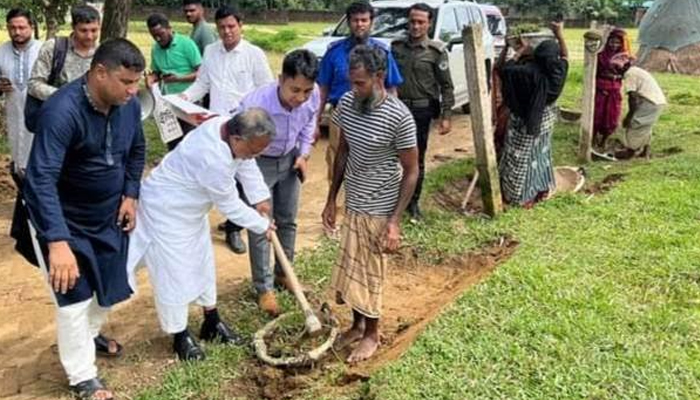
x=378, y=161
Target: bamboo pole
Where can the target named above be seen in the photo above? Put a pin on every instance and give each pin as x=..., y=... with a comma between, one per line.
x=480, y=105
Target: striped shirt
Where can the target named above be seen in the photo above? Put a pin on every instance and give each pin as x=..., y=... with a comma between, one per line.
x=373, y=172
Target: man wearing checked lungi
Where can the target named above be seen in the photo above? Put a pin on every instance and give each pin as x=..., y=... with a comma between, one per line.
x=377, y=160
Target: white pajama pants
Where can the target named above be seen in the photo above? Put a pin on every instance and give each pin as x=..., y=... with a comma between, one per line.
x=173, y=318
x=77, y=326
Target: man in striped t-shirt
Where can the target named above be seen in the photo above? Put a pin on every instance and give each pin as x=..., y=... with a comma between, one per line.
x=378, y=160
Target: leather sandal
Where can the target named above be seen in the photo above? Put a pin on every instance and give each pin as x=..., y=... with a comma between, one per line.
x=87, y=390
x=102, y=347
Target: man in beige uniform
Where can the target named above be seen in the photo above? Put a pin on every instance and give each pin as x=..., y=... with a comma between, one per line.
x=427, y=90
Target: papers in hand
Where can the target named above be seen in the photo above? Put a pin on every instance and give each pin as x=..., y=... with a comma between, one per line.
x=165, y=118
x=186, y=111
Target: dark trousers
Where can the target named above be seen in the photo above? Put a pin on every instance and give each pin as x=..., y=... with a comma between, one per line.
x=423, y=117
x=230, y=226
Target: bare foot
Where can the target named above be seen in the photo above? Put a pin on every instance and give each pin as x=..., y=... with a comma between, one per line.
x=349, y=337
x=103, y=394
x=367, y=347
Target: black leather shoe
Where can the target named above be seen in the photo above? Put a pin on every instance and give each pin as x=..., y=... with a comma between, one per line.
x=221, y=227
x=220, y=332
x=235, y=242
x=187, y=349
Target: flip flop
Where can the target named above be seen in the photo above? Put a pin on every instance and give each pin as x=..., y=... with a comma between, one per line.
x=102, y=347
x=86, y=390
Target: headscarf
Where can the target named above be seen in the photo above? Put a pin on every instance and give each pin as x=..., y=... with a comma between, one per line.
x=608, y=52
x=530, y=85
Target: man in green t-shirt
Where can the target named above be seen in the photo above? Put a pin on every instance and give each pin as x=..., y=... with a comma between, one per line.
x=175, y=58
x=202, y=33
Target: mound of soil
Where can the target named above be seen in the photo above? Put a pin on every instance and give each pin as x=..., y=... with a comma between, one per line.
x=671, y=151
x=451, y=196
x=609, y=182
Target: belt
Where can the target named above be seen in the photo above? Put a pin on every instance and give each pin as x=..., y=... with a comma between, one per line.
x=418, y=103
x=277, y=157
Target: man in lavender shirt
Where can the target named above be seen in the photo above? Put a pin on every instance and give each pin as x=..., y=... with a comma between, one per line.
x=293, y=103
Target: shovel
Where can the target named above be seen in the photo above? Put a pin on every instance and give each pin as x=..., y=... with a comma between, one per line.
x=311, y=322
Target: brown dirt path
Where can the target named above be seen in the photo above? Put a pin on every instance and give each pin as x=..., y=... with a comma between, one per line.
x=29, y=366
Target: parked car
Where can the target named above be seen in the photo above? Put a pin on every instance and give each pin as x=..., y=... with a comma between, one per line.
x=391, y=22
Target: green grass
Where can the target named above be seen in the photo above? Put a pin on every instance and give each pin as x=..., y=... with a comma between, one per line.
x=601, y=300
x=278, y=39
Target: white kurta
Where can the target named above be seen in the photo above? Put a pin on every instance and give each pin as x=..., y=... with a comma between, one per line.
x=17, y=67
x=172, y=234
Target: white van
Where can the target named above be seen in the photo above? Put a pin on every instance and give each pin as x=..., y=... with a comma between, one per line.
x=390, y=22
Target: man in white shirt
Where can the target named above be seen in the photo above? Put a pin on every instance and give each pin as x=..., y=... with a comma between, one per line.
x=17, y=57
x=231, y=68
x=172, y=236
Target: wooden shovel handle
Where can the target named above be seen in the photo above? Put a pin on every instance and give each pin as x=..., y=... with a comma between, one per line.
x=291, y=276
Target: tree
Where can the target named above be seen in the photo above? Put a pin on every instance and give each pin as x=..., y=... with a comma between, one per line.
x=50, y=12
x=115, y=21
x=598, y=9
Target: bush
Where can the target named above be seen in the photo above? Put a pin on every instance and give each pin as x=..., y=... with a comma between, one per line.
x=279, y=42
x=523, y=28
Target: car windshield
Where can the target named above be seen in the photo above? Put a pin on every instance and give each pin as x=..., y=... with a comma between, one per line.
x=389, y=23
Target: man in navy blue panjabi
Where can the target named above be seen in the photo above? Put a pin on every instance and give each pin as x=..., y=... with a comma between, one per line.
x=82, y=184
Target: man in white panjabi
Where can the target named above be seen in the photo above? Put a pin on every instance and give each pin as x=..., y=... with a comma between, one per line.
x=17, y=56
x=173, y=236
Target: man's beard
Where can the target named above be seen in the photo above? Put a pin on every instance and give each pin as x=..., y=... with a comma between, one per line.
x=20, y=42
x=362, y=39
x=365, y=105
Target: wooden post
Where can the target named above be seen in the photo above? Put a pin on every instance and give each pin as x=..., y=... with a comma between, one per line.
x=480, y=105
x=593, y=40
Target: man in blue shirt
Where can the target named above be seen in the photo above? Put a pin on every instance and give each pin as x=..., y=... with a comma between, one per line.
x=82, y=184
x=333, y=77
